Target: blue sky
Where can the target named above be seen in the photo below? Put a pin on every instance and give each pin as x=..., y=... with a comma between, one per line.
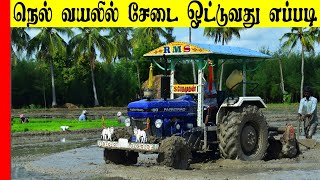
x=253, y=38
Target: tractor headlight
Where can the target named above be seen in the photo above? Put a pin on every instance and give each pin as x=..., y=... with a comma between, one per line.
x=158, y=123
x=127, y=122
x=178, y=126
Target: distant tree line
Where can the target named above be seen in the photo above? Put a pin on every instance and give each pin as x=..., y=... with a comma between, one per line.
x=117, y=84
x=48, y=70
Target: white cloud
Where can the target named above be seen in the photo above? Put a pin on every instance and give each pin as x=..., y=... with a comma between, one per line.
x=33, y=32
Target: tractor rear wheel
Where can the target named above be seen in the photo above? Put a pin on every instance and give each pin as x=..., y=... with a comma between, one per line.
x=243, y=134
x=174, y=152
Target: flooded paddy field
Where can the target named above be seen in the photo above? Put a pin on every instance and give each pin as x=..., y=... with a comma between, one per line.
x=75, y=156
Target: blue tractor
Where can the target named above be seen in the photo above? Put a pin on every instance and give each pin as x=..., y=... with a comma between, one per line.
x=167, y=117
x=175, y=127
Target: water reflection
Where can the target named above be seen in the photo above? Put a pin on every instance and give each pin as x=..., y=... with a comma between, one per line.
x=63, y=140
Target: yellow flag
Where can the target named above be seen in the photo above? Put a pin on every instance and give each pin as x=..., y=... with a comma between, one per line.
x=150, y=77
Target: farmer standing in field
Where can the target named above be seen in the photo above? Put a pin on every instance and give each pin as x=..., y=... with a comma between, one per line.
x=23, y=119
x=308, y=112
x=121, y=118
x=83, y=116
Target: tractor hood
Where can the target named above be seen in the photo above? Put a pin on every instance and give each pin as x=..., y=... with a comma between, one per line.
x=158, y=108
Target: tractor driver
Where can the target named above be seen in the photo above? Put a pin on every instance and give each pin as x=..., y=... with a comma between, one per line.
x=210, y=98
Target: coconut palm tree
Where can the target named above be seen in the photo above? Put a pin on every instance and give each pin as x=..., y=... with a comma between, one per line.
x=316, y=32
x=47, y=45
x=168, y=36
x=223, y=35
x=153, y=34
x=147, y=39
x=120, y=39
x=307, y=38
x=86, y=43
x=192, y=62
x=19, y=41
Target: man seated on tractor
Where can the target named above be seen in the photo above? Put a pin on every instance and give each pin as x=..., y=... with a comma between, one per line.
x=308, y=112
x=210, y=98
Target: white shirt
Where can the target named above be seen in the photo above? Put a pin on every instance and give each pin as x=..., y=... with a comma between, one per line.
x=309, y=107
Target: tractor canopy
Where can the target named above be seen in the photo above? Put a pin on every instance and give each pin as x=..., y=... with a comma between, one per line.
x=200, y=54
x=188, y=50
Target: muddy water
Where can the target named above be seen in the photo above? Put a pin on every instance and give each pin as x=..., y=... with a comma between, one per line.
x=78, y=157
x=33, y=148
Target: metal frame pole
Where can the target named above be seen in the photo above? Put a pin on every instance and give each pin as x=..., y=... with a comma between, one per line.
x=200, y=95
x=172, y=67
x=244, y=74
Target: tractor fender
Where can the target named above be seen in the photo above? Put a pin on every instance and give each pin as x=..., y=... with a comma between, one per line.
x=230, y=104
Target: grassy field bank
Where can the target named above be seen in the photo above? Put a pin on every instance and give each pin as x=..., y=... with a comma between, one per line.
x=272, y=112
x=51, y=125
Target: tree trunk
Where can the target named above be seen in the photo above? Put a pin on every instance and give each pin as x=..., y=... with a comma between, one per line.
x=302, y=72
x=221, y=72
x=192, y=62
x=138, y=76
x=281, y=77
x=96, y=102
x=54, y=100
x=194, y=72
x=44, y=97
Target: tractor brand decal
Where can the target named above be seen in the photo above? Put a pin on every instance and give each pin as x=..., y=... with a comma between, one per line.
x=174, y=109
x=185, y=88
x=177, y=48
x=154, y=109
x=132, y=146
x=136, y=110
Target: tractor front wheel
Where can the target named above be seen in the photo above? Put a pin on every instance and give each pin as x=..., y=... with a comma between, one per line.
x=174, y=152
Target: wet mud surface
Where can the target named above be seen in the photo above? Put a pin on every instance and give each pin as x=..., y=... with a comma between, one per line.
x=74, y=155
